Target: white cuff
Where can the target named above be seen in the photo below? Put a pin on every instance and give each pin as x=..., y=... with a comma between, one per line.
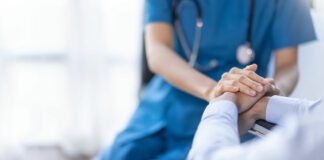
x=279, y=107
x=222, y=107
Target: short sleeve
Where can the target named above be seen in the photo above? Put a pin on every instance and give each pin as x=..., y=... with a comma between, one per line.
x=158, y=11
x=292, y=24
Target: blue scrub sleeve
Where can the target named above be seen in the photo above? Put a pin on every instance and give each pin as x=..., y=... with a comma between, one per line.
x=158, y=11
x=292, y=24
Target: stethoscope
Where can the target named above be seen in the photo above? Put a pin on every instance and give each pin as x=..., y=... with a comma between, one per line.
x=244, y=53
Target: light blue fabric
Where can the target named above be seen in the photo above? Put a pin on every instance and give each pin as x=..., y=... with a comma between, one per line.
x=277, y=24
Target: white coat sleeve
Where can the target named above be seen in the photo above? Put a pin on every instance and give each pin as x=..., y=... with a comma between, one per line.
x=217, y=138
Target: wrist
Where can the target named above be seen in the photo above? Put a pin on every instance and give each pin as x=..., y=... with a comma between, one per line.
x=282, y=93
x=259, y=109
x=228, y=96
x=208, y=92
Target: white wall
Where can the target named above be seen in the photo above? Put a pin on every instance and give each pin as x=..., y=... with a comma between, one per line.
x=311, y=61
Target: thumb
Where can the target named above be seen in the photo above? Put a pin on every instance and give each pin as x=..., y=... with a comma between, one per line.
x=252, y=67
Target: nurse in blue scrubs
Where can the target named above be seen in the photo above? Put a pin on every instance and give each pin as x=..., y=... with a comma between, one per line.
x=170, y=109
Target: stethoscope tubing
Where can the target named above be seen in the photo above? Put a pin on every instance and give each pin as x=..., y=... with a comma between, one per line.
x=192, y=54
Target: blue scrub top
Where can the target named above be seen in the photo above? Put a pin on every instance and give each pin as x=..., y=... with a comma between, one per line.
x=276, y=24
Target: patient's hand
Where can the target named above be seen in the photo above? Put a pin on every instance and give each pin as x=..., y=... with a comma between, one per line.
x=257, y=111
x=249, y=108
x=245, y=102
x=247, y=119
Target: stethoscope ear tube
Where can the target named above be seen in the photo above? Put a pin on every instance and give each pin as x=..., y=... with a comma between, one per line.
x=192, y=55
x=245, y=54
x=196, y=44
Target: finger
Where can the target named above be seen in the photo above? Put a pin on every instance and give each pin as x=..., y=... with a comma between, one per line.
x=230, y=88
x=271, y=90
x=275, y=90
x=252, y=75
x=252, y=84
x=252, y=67
x=271, y=81
x=242, y=87
x=225, y=76
x=223, y=87
x=247, y=90
x=233, y=78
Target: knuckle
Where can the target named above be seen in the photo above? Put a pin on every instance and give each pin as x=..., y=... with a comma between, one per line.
x=220, y=82
x=233, y=83
x=236, y=83
x=231, y=88
x=250, y=73
x=247, y=91
x=226, y=89
x=221, y=87
x=225, y=75
x=241, y=78
x=234, y=69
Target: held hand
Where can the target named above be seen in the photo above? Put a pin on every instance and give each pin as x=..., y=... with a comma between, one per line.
x=239, y=80
x=247, y=119
x=245, y=102
x=274, y=89
x=258, y=110
x=249, y=108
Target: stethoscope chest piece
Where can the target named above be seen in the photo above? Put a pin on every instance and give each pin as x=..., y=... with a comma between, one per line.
x=245, y=54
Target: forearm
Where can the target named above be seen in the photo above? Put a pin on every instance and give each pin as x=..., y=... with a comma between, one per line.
x=286, y=79
x=217, y=130
x=274, y=109
x=217, y=136
x=286, y=70
x=181, y=75
x=163, y=60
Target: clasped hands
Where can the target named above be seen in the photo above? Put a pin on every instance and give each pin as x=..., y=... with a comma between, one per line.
x=248, y=91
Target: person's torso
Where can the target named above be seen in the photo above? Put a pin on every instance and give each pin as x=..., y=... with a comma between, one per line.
x=225, y=29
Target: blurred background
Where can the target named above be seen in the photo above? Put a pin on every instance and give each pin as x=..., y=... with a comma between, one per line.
x=70, y=74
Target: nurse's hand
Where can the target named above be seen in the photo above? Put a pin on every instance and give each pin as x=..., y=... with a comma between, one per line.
x=245, y=102
x=240, y=80
x=249, y=108
x=275, y=90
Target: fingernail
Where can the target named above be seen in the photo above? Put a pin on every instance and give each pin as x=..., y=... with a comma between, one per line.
x=273, y=86
x=260, y=88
